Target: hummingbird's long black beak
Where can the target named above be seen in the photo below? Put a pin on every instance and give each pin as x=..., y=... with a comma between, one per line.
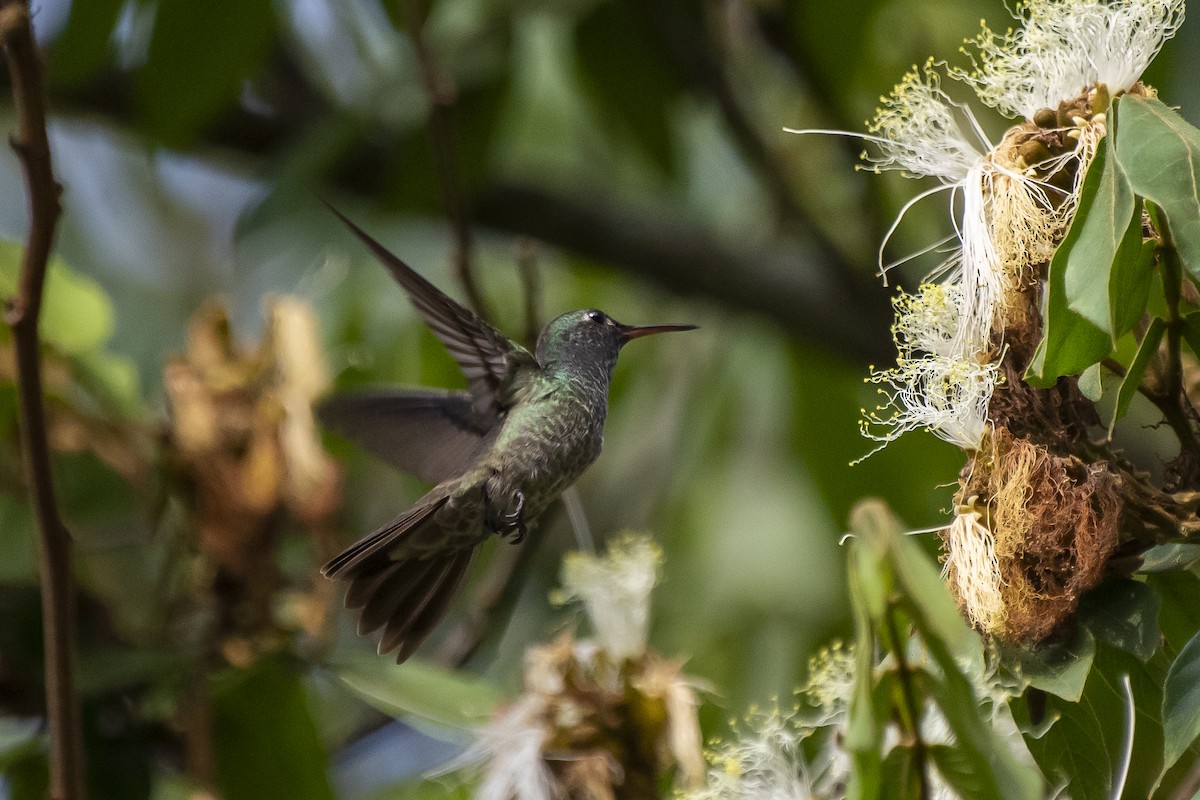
x=637, y=331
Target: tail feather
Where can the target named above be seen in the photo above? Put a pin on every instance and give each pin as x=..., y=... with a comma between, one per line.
x=425, y=619
x=402, y=587
x=366, y=547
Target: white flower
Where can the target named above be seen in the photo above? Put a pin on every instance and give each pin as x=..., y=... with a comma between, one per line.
x=1009, y=202
x=938, y=384
x=615, y=590
x=510, y=750
x=765, y=763
x=1064, y=47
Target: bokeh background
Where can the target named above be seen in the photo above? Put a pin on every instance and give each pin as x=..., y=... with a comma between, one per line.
x=623, y=154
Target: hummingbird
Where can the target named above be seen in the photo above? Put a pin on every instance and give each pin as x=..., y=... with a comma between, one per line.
x=500, y=452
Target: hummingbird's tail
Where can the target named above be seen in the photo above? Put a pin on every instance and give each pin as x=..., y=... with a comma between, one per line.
x=407, y=597
x=403, y=591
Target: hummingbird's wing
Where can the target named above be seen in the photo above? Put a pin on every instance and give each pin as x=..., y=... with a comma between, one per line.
x=428, y=433
x=485, y=355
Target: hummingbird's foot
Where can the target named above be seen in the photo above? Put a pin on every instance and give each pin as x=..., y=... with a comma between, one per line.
x=511, y=523
x=514, y=521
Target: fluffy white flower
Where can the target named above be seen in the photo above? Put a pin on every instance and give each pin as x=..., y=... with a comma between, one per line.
x=1064, y=47
x=510, y=750
x=943, y=379
x=615, y=590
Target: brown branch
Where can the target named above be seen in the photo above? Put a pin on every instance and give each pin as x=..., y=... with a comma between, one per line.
x=812, y=292
x=442, y=97
x=22, y=313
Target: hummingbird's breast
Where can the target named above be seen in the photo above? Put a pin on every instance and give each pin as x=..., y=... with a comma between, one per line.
x=547, y=440
x=552, y=433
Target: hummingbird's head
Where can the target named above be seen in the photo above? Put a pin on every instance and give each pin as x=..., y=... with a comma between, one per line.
x=591, y=337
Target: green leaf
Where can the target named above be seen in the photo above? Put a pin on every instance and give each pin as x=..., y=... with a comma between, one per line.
x=1131, y=279
x=1180, y=615
x=627, y=72
x=1181, y=701
x=1070, y=343
x=85, y=43
x=1108, y=236
x=433, y=694
x=1160, y=154
x=864, y=728
x=996, y=771
x=1137, y=370
x=77, y=315
x=1090, y=384
x=265, y=741
x=900, y=775
x=1169, y=558
x=1087, y=743
x=1191, y=331
x=1058, y=669
x=200, y=56
x=1124, y=613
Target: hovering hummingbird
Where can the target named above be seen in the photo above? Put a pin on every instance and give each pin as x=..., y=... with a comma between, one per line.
x=500, y=452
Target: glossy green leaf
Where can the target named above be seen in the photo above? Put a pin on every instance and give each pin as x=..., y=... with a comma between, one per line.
x=77, y=315
x=1087, y=742
x=200, y=56
x=1108, y=237
x=1070, y=343
x=1124, y=613
x=433, y=694
x=1059, y=669
x=1160, y=154
x=1137, y=370
x=1181, y=701
x=265, y=741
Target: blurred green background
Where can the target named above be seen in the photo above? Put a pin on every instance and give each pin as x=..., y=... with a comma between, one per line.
x=633, y=152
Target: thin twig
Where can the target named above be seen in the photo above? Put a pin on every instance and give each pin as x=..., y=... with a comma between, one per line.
x=22, y=314
x=442, y=97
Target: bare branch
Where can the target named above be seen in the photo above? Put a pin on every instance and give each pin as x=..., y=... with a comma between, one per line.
x=22, y=313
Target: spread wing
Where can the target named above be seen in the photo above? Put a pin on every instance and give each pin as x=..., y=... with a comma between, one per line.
x=487, y=357
x=428, y=433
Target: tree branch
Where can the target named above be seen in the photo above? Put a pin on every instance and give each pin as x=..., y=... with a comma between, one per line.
x=810, y=291
x=22, y=313
x=797, y=285
x=442, y=98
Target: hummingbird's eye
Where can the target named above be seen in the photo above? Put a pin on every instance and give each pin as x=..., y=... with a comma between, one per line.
x=594, y=316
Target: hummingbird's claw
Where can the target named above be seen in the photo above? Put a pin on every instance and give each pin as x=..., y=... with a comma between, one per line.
x=511, y=523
